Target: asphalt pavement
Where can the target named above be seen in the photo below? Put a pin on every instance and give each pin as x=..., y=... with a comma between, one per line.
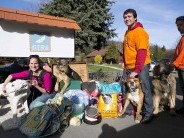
x=164, y=126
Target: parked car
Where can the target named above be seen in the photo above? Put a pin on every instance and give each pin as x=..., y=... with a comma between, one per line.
x=14, y=67
x=152, y=65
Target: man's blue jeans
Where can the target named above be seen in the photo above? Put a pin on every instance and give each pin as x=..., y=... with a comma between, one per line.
x=146, y=88
x=181, y=81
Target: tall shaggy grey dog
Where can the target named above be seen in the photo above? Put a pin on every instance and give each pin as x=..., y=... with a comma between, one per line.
x=16, y=91
x=164, y=88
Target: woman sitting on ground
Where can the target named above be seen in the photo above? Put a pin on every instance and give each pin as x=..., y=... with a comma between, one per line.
x=40, y=88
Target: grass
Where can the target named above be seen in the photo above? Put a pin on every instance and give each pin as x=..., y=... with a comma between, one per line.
x=95, y=68
x=114, y=65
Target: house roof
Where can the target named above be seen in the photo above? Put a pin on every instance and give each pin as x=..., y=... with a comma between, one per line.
x=40, y=19
x=97, y=52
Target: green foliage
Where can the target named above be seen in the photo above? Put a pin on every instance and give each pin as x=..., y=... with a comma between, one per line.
x=93, y=16
x=158, y=53
x=112, y=54
x=98, y=59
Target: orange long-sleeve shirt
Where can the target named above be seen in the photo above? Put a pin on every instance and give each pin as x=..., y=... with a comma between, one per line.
x=178, y=61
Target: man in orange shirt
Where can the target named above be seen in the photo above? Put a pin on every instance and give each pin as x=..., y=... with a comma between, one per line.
x=178, y=61
x=136, y=59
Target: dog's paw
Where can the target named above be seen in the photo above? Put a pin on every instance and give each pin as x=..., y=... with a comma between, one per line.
x=121, y=114
x=172, y=112
x=156, y=111
x=137, y=121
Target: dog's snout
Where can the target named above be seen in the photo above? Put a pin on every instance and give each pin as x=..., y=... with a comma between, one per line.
x=131, y=83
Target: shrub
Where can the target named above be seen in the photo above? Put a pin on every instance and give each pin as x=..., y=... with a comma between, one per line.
x=112, y=54
x=98, y=59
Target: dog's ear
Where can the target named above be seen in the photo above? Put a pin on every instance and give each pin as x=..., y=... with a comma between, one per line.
x=168, y=69
x=127, y=80
x=156, y=70
x=165, y=69
x=140, y=81
x=162, y=68
x=62, y=63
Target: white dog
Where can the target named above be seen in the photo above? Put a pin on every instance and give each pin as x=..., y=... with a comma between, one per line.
x=16, y=91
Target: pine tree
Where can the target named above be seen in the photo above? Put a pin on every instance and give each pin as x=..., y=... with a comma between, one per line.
x=93, y=16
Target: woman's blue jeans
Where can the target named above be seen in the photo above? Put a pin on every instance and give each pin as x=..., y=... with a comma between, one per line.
x=43, y=98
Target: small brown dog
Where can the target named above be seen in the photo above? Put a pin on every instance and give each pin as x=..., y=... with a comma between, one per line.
x=164, y=88
x=135, y=96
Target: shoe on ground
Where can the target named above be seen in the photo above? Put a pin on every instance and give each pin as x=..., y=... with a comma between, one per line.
x=146, y=119
x=122, y=116
x=180, y=110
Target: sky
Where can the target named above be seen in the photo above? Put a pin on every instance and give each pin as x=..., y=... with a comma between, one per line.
x=157, y=16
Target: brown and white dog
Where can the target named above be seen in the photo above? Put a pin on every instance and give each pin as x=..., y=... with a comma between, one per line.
x=135, y=96
x=16, y=91
x=164, y=88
